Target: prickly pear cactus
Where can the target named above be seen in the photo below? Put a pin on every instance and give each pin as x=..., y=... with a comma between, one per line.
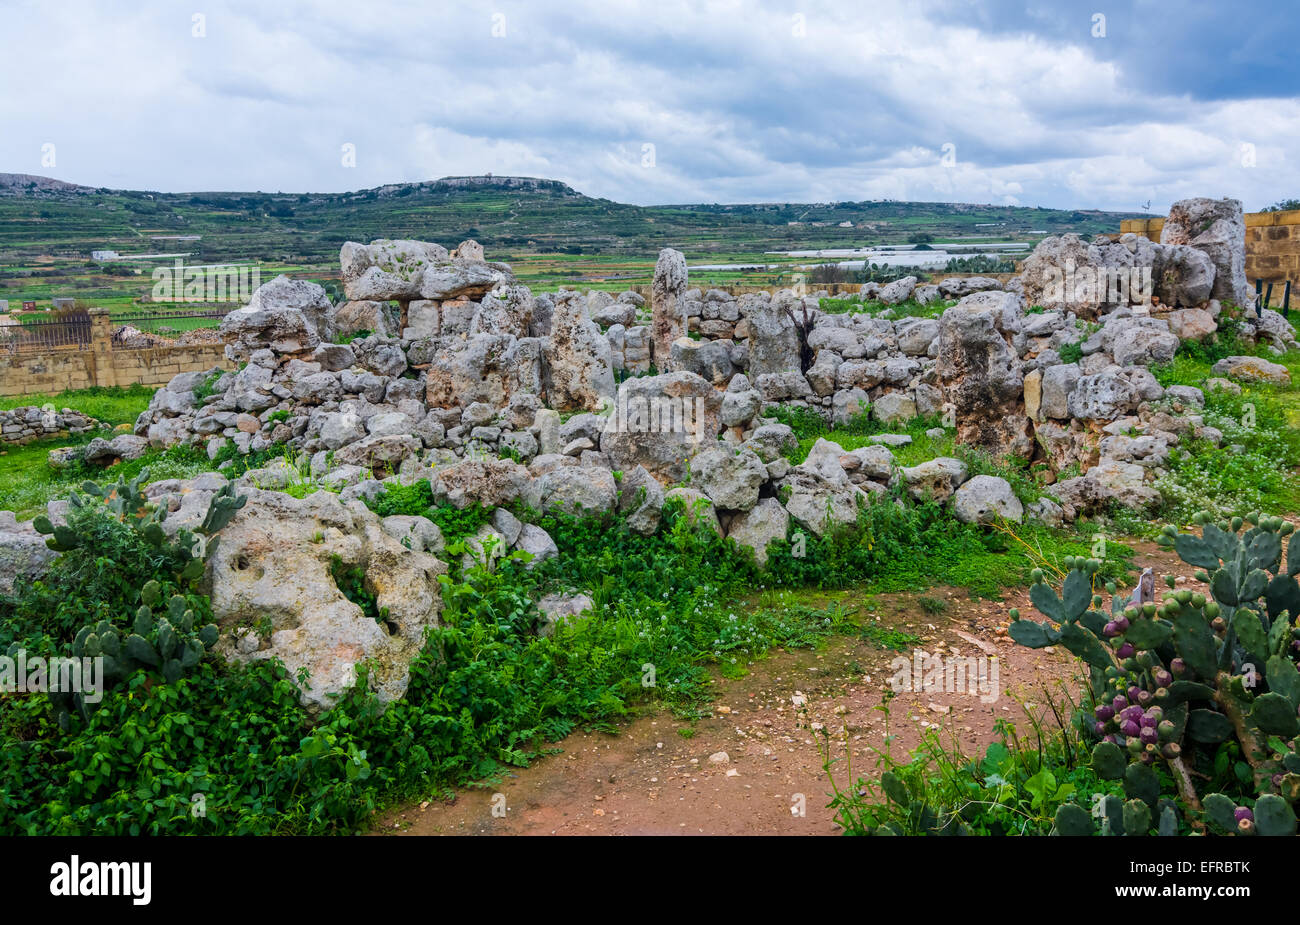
x=165, y=635
x=1173, y=680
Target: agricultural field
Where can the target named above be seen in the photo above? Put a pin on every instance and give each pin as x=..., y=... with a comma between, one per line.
x=550, y=234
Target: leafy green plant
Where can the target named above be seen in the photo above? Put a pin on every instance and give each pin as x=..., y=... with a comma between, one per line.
x=1017, y=787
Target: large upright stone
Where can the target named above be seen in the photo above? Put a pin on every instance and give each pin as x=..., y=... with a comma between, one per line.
x=1218, y=228
x=981, y=377
x=773, y=341
x=667, y=306
x=579, y=360
x=506, y=310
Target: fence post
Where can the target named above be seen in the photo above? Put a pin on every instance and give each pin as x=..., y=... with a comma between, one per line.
x=100, y=366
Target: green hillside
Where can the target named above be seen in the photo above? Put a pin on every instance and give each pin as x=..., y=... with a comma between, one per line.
x=551, y=232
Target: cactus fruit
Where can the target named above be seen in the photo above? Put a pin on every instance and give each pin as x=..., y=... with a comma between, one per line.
x=1173, y=679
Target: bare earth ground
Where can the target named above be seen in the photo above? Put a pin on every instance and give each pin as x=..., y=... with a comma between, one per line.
x=650, y=780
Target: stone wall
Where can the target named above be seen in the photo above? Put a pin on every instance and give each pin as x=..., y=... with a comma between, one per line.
x=28, y=423
x=1272, y=245
x=62, y=368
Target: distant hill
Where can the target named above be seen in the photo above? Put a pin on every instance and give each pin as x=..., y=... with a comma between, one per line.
x=26, y=183
x=41, y=216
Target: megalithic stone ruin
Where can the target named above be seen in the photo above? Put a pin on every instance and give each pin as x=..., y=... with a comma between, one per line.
x=667, y=306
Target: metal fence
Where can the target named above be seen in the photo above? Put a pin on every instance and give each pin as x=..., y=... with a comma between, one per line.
x=39, y=335
x=130, y=330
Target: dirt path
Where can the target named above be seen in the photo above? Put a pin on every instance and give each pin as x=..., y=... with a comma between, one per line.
x=665, y=776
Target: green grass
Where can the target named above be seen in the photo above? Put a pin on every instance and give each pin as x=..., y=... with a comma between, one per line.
x=909, y=309
x=27, y=483
x=809, y=427
x=112, y=405
x=1256, y=466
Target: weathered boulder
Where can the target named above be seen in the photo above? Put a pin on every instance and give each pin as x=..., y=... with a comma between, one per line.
x=1253, y=369
x=414, y=532
x=772, y=440
x=537, y=543
x=900, y=290
x=23, y=553
x=362, y=317
x=505, y=310
x=101, y=452
x=379, y=452
x=819, y=503
x=560, y=608
x=579, y=372
x=1184, y=275
x=697, y=509
x=1143, y=345
x=1058, y=382
x=276, y=317
x=461, y=278
x=489, y=482
x=1271, y=326
x=957, y=287
x=710, y=360
x=894, y=408
x=1217, y=227
x=274, y=562
x=386, y=270
x=660, y=422
x=847, y=404
x=818, y=492
x=985, y=498
x=731, y=477
x=1103, y=396
x=936, y=478
x=760, y=525
x=641, y=500
x=916, y=334
x=773, y=341
x=1191, y=323
x=488, y=368
x=573, y=489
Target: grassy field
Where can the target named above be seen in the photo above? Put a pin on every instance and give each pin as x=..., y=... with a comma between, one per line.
x=551, y=235
x=27, y=482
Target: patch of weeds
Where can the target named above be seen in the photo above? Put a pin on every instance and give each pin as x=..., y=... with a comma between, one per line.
x=416, y=499
x=888, y=637
x=931, y=606
x=351, y=580
x=1071, y=353
x=207, y=387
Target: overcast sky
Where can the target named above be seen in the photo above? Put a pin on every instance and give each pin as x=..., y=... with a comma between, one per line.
x=1040, y=103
